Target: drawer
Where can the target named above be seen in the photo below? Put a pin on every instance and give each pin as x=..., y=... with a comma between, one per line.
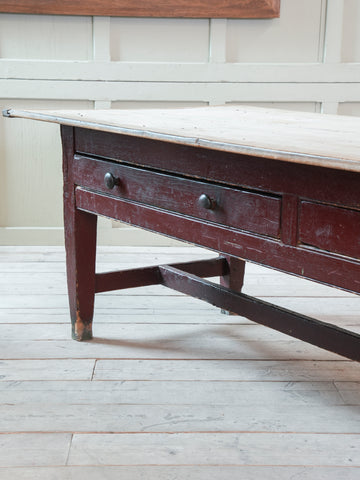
x=330, y=228
x=254, y=212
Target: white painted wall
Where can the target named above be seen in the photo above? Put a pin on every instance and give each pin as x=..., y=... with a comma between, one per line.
x=308, y=59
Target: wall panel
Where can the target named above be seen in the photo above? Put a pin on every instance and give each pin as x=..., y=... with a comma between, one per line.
x=308, y=59
x=294, y=37
x=45, y=37
x=349, y=108
x=32, y=174
x=351, y=31
x=159, y=40
x=295, y=106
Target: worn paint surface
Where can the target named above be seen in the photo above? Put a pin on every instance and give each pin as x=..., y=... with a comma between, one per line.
x=150, y=8
x=262, y=210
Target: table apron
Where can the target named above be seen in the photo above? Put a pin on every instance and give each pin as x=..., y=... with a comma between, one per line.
x=334, y=270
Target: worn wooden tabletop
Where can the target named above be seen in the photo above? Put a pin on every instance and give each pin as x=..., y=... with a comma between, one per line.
x=317, y=139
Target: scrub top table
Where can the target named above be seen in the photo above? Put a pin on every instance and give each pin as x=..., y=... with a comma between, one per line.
x=278, y=188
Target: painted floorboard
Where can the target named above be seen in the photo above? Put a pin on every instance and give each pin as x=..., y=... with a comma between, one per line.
x=180, y=473
x=169, y=388
x=165, y=348
x=164, y=392
x=34, y=449
x=216, y=449
x=279, y=418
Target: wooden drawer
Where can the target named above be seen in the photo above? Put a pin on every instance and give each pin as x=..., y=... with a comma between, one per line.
x=330, y=228
x=233, y=207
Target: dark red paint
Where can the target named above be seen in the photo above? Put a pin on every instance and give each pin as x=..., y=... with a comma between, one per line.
x=296, y=218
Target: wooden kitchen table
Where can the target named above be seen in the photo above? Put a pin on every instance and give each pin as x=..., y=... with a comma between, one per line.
x=278, y=188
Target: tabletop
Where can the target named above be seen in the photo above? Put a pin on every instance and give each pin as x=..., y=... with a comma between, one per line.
x=331, y=141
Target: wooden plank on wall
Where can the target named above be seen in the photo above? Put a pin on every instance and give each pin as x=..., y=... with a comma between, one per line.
x=215, y=71
x=105, y=68
x=180, y=91
x=101, y=39
x=217, y=41
x=333, y=43
x=148, y=8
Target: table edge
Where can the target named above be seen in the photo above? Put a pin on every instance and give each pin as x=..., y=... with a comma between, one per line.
x=281, y=155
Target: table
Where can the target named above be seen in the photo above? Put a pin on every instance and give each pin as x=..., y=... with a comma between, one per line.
x=278, y=188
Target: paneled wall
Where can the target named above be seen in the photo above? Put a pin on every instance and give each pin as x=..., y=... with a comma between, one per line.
x=308, y=59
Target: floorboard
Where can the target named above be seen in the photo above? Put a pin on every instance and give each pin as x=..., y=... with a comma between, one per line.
x=169, y=388
x=174, y=472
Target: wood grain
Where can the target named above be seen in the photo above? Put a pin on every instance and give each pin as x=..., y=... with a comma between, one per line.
x=32, y=449
x=188, y=348
x=104, y=400
x=174, y=392
x=65, y=369
x=330, y=141
x=257, y=213
x=311, y=264
x=216, y=448
x=180, y=472
x=67, y=418
x=330, y=228
x=148, y=8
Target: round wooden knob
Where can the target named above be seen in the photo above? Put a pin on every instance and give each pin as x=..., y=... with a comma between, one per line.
x=110, y=181
x=205, y=202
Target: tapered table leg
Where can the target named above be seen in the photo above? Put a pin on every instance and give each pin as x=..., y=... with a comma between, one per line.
x=80, y=239
x=80, y=246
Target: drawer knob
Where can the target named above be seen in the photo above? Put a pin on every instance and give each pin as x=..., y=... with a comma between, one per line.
x=110, y=181
x=205, y=202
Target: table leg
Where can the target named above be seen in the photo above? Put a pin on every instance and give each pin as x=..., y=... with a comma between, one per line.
x=80, y=243
x=234, y=278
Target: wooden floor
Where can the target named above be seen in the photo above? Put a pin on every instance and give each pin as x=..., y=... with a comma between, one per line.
x=169, y=388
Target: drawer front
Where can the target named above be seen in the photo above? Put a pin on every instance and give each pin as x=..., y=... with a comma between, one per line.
x=330, y=228
x=236, y=208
